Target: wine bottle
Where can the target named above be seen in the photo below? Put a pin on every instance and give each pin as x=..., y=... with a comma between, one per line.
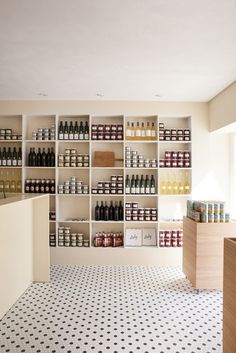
x=147, y=185
x=111, y=212
x=148, y=132
x=137, y=188
x=71, y=131
x=7, y=184
x=12, y=183
x=61, y=131
x=116, y=212
x=142, y=185
x=43, y=159
x=132, y=189
x=33, y=158
x=19, y=158
x=121, y=212
x=127, y=185
x=14, y=157
x=9, y=157
x=30, y=158
x=38, y=158
x=101, y=212
x=152, y=187
x=128, y=131
x=76, y=131
x=137, y=132
x=106, y=212
x=86, y=131
x=48, y=158
x=1, y=183
x=0, y=156
x=143, y=132
x=66, y=131
x=153, y=132
x=52, y=158
x=81, y=131
x=4, y=157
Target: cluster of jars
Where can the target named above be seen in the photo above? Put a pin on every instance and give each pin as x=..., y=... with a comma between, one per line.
x=73, y=186
x=135, y=160
x=107, y=239
x=176, y=159
x=7, y=134
x=134, y=213
x=45, y=133
x=67, y=238
x=107, y=132
x=174, y=134
x=71, y=159
x=171, y=238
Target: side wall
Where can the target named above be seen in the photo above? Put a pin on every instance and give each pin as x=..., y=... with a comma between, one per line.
x=222, y=108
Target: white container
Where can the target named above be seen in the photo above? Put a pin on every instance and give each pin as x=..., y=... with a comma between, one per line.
x=149, y=237
x=133, y=237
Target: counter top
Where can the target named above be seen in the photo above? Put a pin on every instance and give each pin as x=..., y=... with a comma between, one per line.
x=19, y=197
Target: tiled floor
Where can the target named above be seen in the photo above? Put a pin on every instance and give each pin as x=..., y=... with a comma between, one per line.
x=114, y=309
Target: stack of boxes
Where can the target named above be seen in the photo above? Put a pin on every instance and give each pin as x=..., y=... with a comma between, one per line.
x=135, y=160
x=207, y=211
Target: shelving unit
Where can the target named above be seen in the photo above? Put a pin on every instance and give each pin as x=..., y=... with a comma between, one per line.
x=82, y=205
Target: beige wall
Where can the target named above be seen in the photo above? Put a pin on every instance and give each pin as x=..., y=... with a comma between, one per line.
x=222, y=109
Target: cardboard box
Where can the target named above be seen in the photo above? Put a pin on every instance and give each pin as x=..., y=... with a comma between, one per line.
x=133, y=237
x=149, y=237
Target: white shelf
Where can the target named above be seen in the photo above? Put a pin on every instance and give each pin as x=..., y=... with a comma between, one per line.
x=73, y=222
x=170, y=222
x=141, y=141
x=173, y=168
x=73, y=195
x=73, y=141
x=40, y=141
x=107, y=222
x=27, y=167
x=68, y=168
x=141, y=195
x=107, y=168
x=140, y=168
x=175, y=195
x=144, y=222
x=105, y=195
x=179, y=142
x=108, y=141
x=11, y=141
x=10, y=167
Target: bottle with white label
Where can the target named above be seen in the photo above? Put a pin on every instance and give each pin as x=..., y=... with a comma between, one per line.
x=181, y=186
x=127, y=185
x=163, y=187
x=175, y=185
x=153, y=132
x=153, y=186
x=187, y=184
x=143, y=131
x=137, y=188
x=148, y=131
x=169, y=186
x=128, y=131
x=138, y=132
x=147, y=185
x=142, y=185
x=132, y=188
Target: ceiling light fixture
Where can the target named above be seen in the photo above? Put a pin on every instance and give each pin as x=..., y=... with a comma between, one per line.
x=42, y=94
x=157, y=95
x=99, y=95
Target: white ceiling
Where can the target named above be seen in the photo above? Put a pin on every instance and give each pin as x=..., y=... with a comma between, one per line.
x=183, y=50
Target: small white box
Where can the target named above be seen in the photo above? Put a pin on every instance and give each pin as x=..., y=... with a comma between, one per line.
x=133, y=237
x=149, y=237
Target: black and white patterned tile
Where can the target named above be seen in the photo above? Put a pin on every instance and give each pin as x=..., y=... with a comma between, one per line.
x=114, y=309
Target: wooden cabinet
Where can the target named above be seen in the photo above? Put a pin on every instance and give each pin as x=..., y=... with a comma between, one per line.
x=203, y=252
x=229, y=298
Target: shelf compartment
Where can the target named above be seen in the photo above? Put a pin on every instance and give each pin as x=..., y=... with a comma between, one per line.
x=33, y=122
x=73, y=208
x=117, y=148
x=81, y=174
x=82, y=148
x=13, y=122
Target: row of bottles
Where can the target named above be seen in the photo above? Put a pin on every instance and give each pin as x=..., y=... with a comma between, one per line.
x=109, y=213
x=10, y=157
x=73, y=131
x=140, y=131
x=41, y=159
x=174, y=185
x=139, y=185
x=10, y=182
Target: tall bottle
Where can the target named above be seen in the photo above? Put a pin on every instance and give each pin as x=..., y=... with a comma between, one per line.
x=175, y=185
x=137, y=185
x=142, y=185
x=187, y=185
x=106, y=212
x=61, y=131
x=153, y=132
x=127, y=185
x=128, y=131
x=143, y=131
x=138, y=132
x=76, y=131
x=43, y=159
x=181, y=185
x=12, y=183
x=1, y=183
x=111, y=212
x=18, y=184
x=19, y=158
x=9, y=157
x=0, y=156
x=132, y=129
x=4, y=157
x=7, y=183
x=33, y=158
x=52, y=158
x=30, y=158
x=153, y=185
x=14, y=157
x=121, y=212
x=101, y=212
x=132, y=188
x=71, y=131
x=81, y=131
x=169, y=186
x=66, y=131
x=147, y=185
x=86, y=131
x=97, y=212
x=163, y=190
x=148, y=132
x=48, y=158
x=38, y=158
x=116, y=212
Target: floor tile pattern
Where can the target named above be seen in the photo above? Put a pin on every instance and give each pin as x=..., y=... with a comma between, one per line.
x=114, y=309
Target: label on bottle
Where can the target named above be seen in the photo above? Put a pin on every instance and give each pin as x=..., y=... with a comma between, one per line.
x=66, y=136
x=14, y=162
x=81, y=136
x=4, y=162
x=71, y=136
x=152, y=190
x=60, y=136
x=138, y=133
x=132, y=190
x=127, y=190
x=153, y=133
x=137, y=190
x=76, y=136
x=128, y=133
x=142, y=190
x=86, y=136
x=147, y=190
x=148, y=133
x=9, y=162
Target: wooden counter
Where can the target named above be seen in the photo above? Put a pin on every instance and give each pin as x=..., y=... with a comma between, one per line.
x=229, y=298
x=203, y=245
x=24, y=246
